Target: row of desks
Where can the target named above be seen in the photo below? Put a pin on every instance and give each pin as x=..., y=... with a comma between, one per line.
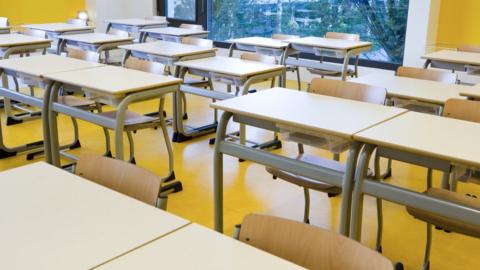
x=52, y=219
x=417, y=138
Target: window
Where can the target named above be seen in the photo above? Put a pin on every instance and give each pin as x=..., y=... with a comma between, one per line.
x=181, y=9
x=383, y=22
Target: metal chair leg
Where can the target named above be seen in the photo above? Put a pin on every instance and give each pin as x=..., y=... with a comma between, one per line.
x=299, y=82
x=131, y=148
x=379, y=225
x=426, y=260
x=108, y=149
x=306, y=213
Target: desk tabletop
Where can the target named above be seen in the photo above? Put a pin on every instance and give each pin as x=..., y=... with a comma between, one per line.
x=230, y=66
x=52, y=219
x=261, y=42
x=196, y=247
x=416, y=89
x=168, y=49
x=450, y=56
x=41, y=65
x=112, y=80
x=95, y=38
x=472, y=92
x=312, y=112
x=14, y=39
x=330, y=43
x=137, y=22
x=434, y=136
x=175, y=31
x=58, y=27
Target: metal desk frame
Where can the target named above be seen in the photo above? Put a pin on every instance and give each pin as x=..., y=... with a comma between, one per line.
x=224, y=147
x=98, y=48
x=134, y=28
x=173, y=38
x=181, y=135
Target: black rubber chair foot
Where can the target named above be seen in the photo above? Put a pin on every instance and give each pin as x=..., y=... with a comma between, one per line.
x=274, y=177
x=109, y=154
x=387, y=174
x=211, y=141
x=11, y=121
x=170, y=178
x=185, y=117
x=331, y=195
x=75, y=145
x=399, y=266
x=172, y=187
x=133, y=161
x=179, y=137
x=241, y=160
x=379, y=249
x=5, y=154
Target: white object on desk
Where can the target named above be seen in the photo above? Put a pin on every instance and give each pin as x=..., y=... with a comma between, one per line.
x=196, y=247
x=52, y=219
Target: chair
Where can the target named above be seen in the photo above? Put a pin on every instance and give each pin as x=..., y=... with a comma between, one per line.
x=470, y=69
x=122, y=177
x=340, y=89
x=335, y=70
x=258, y=58
x=423, y=74
x=467, y=110
x=291, y=68
x=119, y=33
x=201, y=42
x=427, y=74
x=191, y=26
x=78, y=22
x=133, y=120
x=309, y=246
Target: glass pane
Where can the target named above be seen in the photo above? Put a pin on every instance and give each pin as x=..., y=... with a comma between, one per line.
x=181, y=9
x=383, y=22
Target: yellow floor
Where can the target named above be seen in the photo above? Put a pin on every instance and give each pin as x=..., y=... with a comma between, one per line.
x=249, y=188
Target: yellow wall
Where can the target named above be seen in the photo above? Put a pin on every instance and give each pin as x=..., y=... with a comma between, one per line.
x=39, y=11
x=459, y=22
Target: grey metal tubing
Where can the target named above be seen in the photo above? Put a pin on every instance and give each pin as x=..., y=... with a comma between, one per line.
x=205, y=93
x=166, y=138
x=306, y=212
x=357, y=194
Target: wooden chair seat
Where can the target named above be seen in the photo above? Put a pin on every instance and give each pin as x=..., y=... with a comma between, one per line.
x=447, y=223
x=308, y=182
x=309, y=246
x=74, y=101
x=131, y=118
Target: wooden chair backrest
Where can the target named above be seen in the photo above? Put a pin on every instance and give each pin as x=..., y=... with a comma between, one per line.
x=156, y=18
x=198, y=42
x=34, y=33
x=462, y=109
x=427, y=74
x=344, y=36
x=348, y=90
x=258, y=58
x=78, y=22
x=120, y=176
x=469, y=48
x=309, y=246
x=191, y=26
x=119, y=33
x=3, y=22
x=144, y=65
x=83, y=55
x=284, y=36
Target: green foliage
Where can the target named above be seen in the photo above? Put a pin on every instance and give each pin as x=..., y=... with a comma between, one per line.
x=381, y=21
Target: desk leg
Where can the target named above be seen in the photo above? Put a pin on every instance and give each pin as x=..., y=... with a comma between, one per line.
x=46, y=123
x=120, y=128
x=218, y=172
x=347, y=186
x=346, y=61
x=357, y=194
x=52, y=126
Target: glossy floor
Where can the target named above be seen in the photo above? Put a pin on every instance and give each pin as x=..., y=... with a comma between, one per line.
x=249, y=188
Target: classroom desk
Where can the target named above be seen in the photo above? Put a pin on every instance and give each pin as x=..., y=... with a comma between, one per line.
x=424, y=91
x=174, y=34
x=327, y=47
x=451, y=60
x=53, y=30
x=17, y=43
x=96, y=42
x=115, y=86
x=52, y=219
x=134, y=25
x=196, y=247
x=323, y=116
x=261, y=45
x=426, y=140
x=4, y=30
x=33, y=70
x=165, y=52
x=228, y=70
